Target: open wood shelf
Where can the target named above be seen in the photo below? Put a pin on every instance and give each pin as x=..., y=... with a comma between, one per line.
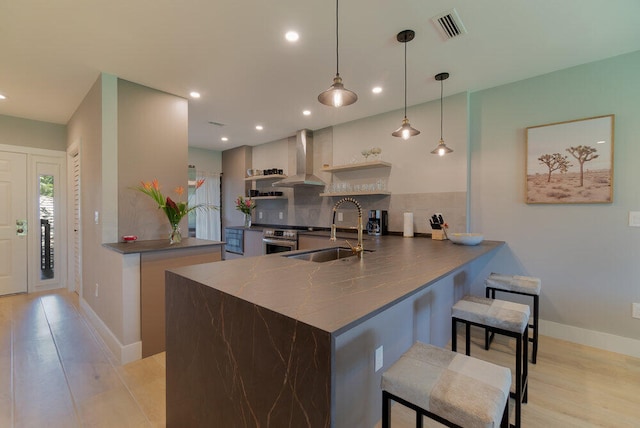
x=357, y=166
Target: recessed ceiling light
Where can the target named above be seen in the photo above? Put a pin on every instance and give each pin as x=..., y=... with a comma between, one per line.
x=2, y=97
x=224, y=139
x=195, y=94
x=307, y=112
x=292, y=36
x=259, y=127
x=600, y=142
x=376, y=90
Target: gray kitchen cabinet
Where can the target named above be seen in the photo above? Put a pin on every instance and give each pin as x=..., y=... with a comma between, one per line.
x=252, y=243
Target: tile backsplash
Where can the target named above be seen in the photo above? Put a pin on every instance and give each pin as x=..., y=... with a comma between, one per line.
x=305, y=208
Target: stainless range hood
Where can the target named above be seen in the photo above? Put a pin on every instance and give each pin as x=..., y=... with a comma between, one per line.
x=304, y=163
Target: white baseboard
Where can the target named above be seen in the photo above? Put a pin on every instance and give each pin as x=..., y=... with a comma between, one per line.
x=124, y=353
x=596, y=339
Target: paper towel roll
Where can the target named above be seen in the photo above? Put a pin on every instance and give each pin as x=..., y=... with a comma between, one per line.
x=408, y=225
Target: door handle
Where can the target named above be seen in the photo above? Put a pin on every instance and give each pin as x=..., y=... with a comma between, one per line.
x=21, y=227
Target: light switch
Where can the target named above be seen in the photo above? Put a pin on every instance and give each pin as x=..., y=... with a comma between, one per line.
x=280, y=215
x=634, y=218
x=378, y=358
x=96, y=217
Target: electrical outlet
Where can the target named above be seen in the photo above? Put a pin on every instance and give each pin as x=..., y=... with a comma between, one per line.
x=339, y=216
x=378, y=358
x=97, y=287
x=635, y=310
x=96, y=217
x=280, y=215
x=260, y=215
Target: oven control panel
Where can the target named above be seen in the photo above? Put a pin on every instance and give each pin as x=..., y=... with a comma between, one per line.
x=287, y=234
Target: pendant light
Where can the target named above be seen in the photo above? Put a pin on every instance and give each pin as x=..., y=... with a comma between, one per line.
x=442, y=148
x=405, y=131
x=337, y=95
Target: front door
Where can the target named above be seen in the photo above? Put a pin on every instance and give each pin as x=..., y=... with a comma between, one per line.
x=13, y=223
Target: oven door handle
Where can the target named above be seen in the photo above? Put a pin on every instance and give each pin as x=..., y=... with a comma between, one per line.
x=283, y=242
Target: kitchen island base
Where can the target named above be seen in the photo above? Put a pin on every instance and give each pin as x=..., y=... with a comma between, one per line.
x=272, y=341
x=233, y=364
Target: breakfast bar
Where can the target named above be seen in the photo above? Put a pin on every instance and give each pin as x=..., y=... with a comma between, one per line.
x=278, y=341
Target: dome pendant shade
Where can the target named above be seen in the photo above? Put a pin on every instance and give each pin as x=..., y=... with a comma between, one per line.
x=337, y=95
x=405, y=131
x=442, y=148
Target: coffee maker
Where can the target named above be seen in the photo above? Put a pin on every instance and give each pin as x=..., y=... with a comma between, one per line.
x=378, y=223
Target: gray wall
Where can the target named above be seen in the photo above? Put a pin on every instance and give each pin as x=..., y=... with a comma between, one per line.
x=16, y=131
x=152, y=143
x=117, y=128
x=235, y=163
x=586, y=255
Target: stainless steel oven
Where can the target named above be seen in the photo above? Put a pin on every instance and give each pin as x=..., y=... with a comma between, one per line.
x=279, y=240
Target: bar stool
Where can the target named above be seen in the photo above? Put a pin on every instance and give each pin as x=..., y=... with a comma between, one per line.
x=451, y=388
x=502, y=317
x=516, y=284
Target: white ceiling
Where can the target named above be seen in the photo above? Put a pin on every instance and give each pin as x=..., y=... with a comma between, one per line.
x=234, y=53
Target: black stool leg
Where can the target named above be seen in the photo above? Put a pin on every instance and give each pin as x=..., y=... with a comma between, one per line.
x=454, y=335
x=534, y=353
x=525, y=366
x=488, y=335
x=519, y=361
x=467, y=343
x=386, y=414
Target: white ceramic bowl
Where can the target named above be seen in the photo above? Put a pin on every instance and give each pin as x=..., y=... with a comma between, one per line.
x=466, y=238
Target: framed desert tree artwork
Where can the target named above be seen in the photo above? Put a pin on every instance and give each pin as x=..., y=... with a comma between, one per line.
x=571, y=162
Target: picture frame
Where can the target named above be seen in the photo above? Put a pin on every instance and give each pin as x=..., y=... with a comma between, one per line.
x=570, y=162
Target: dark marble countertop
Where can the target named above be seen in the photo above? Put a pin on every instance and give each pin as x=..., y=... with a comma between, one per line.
x=159, y=245
x=337, y=295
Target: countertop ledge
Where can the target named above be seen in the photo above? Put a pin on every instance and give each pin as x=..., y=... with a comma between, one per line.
x=337, y=295
x=159, y=245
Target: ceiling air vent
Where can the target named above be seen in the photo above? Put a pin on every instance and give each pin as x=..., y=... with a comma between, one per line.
x=449, y=24
x=211, y=122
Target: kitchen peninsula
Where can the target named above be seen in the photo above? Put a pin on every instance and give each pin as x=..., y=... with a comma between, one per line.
x=272, y=341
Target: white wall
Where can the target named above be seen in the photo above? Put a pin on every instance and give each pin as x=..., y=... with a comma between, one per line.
x=586, y=255
x=414, y=168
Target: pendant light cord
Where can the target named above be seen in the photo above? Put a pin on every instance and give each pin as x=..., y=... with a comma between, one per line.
x=337, y=39
x=441, y=110
x=405, y=79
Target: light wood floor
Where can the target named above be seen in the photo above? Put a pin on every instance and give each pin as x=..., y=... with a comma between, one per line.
x=55, y=372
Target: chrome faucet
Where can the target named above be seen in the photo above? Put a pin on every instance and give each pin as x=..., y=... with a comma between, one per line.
x=359, y=249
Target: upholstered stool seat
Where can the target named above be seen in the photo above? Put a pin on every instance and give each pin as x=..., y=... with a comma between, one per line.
x=454, y=389
x=517, y=284
x=501, y=317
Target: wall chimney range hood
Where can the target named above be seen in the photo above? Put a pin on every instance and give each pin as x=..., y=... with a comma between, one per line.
x=304, y=163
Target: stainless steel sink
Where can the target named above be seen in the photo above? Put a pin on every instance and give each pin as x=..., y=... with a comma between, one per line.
x=323, y=255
